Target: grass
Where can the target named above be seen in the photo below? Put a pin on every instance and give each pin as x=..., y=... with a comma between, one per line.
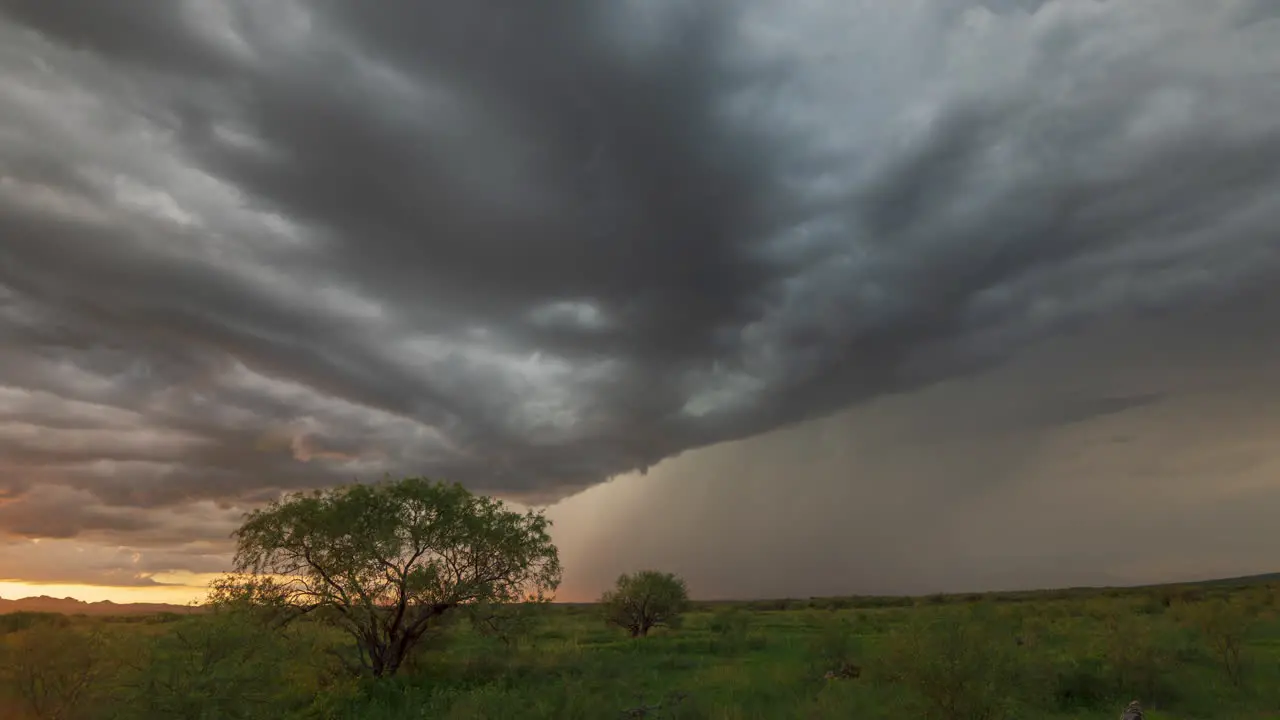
x=1186, y=652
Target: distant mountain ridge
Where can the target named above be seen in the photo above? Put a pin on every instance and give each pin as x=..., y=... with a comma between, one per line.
x=1242, y=580
x=72, y=606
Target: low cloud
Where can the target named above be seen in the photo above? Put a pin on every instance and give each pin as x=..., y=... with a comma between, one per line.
x=84, y=562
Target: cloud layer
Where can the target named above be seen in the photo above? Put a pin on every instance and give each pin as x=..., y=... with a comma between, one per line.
x=253, y=246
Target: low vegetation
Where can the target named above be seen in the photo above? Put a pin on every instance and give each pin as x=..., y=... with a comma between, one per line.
x=501, y=651
x=1211, y=653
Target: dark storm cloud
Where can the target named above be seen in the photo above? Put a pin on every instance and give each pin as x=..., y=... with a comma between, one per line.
x=254, y=246
x=41, y=520
x=108, y=29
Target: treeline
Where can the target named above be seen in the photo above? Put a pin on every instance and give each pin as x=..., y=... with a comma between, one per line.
x=1163, y=595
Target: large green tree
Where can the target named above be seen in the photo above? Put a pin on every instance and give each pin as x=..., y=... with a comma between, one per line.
x=645, y=600
x=385, y=561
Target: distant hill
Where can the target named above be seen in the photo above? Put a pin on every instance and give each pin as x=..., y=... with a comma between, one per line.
x=71, y=606
x=1242, y=580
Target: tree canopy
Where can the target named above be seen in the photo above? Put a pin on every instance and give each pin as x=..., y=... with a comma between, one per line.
x=645, y=600
x=384, y=561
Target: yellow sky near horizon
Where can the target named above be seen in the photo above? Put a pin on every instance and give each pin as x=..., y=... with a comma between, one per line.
x=171, y=594
x=180, y=589
x=577, y=521
x=576, y=524
x=168, y=594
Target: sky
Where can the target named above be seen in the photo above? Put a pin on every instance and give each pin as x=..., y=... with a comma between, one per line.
x=802, y=298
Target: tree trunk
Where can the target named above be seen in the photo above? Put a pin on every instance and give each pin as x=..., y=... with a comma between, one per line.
x=377, y=666
x=379, y=659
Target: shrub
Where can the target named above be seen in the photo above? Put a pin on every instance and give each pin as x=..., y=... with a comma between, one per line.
x=648, y=599
x=1082, y=684
x=54, y=672
x=731, y=627
x=511, y=623
x=22, y=620
x=957, y=666
x=1224, y=626
x=1139, y=656
x=835, y=649
x=220, y=665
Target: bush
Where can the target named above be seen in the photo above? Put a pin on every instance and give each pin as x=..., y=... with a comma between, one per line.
x=959, y=667
x=1224, y=626
x=1082, y=685
x=53, y=671
x=220, y=665
x=1139, y=656
x=511, y=623
x=23, y=620
x=648, y=599
x=731, y=627
x=834, y=647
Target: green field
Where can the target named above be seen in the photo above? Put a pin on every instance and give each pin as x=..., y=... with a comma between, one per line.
x=1193, y=651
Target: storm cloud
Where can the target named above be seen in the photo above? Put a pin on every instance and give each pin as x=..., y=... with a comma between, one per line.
x=248, y=247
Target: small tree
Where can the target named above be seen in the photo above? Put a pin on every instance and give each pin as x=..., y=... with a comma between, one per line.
x=511, y=623
x=644, y=601
x=213, y=665
x=1224, y=626
x=1140, y=657
x=959, y=667
x=385, y=561
x=53, y=671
